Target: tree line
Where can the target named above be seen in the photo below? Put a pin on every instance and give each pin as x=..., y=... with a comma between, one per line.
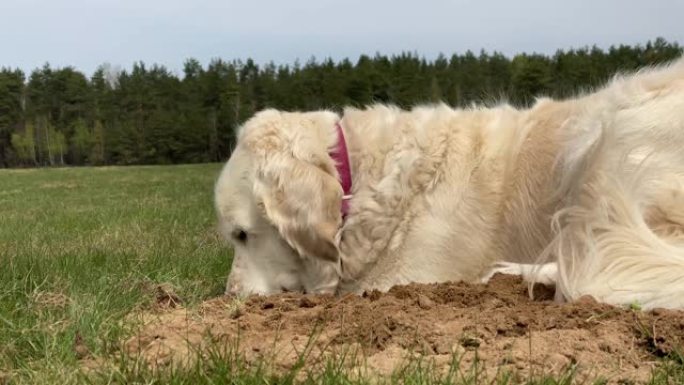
x=149, y=115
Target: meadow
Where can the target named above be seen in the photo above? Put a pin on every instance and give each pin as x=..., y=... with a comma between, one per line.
x=82, y=250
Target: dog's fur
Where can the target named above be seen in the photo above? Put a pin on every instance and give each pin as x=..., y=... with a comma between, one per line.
x=593, y=185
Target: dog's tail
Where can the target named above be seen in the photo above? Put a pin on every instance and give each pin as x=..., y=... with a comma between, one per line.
x=620, y=237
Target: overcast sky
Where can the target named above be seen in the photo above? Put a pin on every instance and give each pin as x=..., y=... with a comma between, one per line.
x=87, y=33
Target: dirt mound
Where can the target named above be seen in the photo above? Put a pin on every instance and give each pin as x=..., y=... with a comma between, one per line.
x=496, y=325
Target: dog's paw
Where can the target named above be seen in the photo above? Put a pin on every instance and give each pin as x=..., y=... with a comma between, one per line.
x=546, y=274
x=502, y=268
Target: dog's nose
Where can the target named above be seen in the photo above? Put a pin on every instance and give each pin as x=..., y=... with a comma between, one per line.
x=233, y=286
x=233, y=289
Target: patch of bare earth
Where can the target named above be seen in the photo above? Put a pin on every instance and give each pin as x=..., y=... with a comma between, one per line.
x=497, y=323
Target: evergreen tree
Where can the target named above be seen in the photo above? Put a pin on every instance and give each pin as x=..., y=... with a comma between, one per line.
x=531, y=77
x=149, y=115
x=11, y=111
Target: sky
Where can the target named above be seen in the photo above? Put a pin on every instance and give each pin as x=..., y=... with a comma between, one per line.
x=88, y=33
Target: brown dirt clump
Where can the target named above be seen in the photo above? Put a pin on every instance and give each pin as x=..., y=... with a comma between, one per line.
x=497, y=323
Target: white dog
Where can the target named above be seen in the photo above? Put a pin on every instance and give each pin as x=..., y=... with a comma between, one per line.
x=593, y=186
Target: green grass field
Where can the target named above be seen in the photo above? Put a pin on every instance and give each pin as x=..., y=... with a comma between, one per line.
x=81, y=249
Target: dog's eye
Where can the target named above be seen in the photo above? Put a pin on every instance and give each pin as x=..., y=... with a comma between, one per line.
x=240, y=236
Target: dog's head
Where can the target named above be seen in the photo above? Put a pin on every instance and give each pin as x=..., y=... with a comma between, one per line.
x=278, y=200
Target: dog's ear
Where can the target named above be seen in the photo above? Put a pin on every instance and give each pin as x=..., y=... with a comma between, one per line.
x=296, y=180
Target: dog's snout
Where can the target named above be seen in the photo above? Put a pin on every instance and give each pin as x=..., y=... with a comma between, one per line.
x=233, y=285
x=233, y=288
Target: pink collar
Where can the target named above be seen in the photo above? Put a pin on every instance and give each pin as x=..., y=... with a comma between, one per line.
x=341, y=157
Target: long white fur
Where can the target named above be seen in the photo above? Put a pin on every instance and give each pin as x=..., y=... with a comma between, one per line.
x=587, y=193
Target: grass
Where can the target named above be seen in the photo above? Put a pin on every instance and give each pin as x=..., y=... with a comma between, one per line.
x=82, y=248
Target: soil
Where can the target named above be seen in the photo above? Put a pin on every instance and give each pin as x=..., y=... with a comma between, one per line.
x=498, y=323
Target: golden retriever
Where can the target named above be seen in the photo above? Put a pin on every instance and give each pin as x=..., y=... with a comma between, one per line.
x=587, y=193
